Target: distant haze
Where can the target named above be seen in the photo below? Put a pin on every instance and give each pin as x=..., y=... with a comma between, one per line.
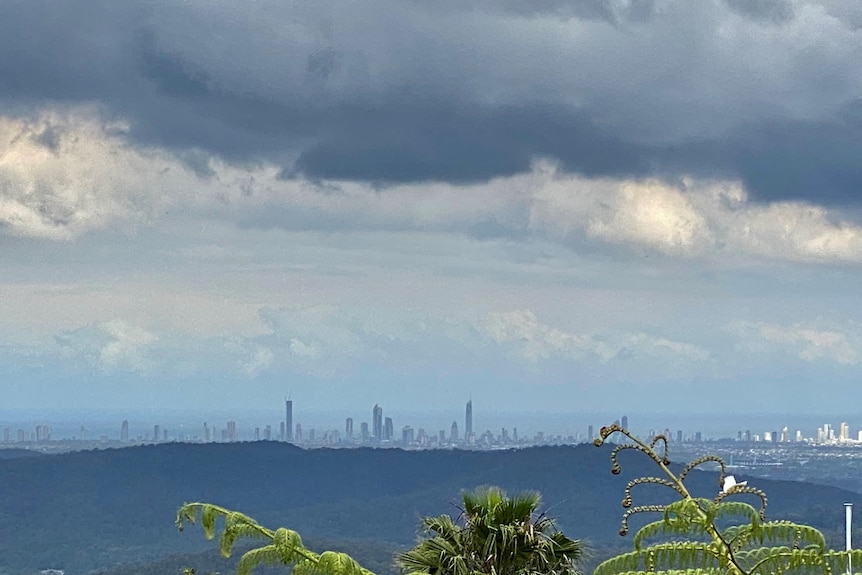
x=97, y=423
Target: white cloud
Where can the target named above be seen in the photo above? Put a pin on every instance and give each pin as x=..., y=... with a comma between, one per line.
x=535, y=341
x=810, y=342
x=64, y=175
x=653, y=214
x=111, y=347
x=260, y=360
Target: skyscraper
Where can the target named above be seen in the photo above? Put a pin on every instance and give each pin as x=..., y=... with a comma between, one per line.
x=288, y=419
x=377, y=422
x=124, y=430
x=388, y=429
x=348, y=428
x=468, y=427
x=625, y=422
x=453, y=432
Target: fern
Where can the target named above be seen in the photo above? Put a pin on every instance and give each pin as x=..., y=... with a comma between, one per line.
x=698, y=536
x=283, y=545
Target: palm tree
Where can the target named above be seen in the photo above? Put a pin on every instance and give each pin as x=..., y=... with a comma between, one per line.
x=496, y=535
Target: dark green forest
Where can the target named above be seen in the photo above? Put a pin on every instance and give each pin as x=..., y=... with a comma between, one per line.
x=96, y=511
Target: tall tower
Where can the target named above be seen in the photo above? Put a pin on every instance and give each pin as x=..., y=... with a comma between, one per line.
x=288, y=419
x=624, y=422
x=348, y=428
x=468, y=423
x=124, y=430
x=377, y=422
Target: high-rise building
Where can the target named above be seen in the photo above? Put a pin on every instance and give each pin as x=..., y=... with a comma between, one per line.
x=288, y=419
x=363, y=432
x=468, y=421
x=267, y=433
x=297, y=436
x=156, y=432
x=590, y=433
x=377, y=422
x=124, y=430
x=453, y=433
x=624, y=422
x=407, y=435
x=207, y=436
x=348, y=428
x=388, y=429
x=231, y=431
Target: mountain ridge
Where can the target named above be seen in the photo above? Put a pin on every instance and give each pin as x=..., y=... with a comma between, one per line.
x=121, y=503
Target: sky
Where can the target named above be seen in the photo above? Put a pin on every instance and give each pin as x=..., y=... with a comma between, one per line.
x=556, y=205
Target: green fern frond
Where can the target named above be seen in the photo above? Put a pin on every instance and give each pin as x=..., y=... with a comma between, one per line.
x=664, y=529
x=743, y=489
x=741, y=536
x=186, y=514
x=267, y=555
x=700, y=461
x=687, y=510
x=837, y=561
x=335, y=563
x=238, y=526
x=287, y=543
x=305, y=567
x=798, y=536
x=734, y=509
x=780, y=560
x=208, y=520
x=677, y=555
x=627, y=498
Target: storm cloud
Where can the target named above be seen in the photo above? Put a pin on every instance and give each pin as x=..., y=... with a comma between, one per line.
x=766, y=92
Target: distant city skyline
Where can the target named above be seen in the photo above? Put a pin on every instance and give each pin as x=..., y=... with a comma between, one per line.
x=416, y=430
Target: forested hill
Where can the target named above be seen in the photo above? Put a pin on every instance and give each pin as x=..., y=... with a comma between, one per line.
x=97, y=509
x=14, y=453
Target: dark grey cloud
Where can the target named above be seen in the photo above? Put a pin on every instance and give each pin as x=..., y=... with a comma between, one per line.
x=395, y=92
x=610, y=11
x=776, y=11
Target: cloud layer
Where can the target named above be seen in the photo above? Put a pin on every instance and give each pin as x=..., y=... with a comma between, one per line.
x=61, y=176
x=401, y=197
x=767, y=93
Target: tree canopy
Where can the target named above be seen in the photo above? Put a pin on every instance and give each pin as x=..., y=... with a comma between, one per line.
x=495, y=535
